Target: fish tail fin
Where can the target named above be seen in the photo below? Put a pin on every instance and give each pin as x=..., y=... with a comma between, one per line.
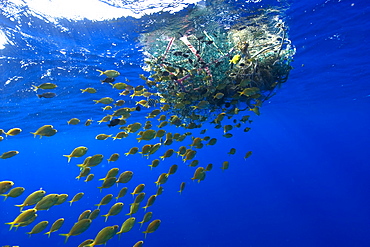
x=6, y=196
x=101, y=72
x=34, y=134
x=20, y=207
x=65, y=235
x=48, y=233
x=35, y=88
x=68, y=156
x=106, y=217
x=11, y=225
x=82, y=90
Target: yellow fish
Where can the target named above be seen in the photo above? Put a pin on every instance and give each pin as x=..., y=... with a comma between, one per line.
x=109, y=73
x=78, y=228
x=104, y=235
x=114, y=210
x=13, y=132
x=39, y=227
x=14, y=192
x=22, y=217
x=152, y=227
x=46, y=85
x=77, y=152
x=32, y=199
x=8, y=154
x=235, y=59
x=55, y=227
x=127, y=225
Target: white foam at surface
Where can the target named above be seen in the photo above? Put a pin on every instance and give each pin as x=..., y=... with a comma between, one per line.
x=93, y=10
x=3, y=40
x=97, y=10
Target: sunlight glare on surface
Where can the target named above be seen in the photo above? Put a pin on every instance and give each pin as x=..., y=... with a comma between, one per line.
x=3, y=40
x=98, y=10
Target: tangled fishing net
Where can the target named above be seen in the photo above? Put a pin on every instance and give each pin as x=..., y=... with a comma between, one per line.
x=202, y=70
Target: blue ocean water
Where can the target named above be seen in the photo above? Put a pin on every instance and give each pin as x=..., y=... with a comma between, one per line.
x=306, y=183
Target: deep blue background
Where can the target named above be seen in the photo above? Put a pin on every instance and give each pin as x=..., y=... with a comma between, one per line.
x=306, y=184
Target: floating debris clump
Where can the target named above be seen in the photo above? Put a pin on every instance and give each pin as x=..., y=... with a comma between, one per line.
x=204, y=72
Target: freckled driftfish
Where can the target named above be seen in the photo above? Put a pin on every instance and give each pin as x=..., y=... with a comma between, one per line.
x=46, y=95
x=114, y=122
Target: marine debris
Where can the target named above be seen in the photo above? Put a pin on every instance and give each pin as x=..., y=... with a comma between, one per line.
x=202, y=72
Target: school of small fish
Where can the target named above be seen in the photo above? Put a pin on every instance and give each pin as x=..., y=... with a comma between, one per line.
x=183, y=90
